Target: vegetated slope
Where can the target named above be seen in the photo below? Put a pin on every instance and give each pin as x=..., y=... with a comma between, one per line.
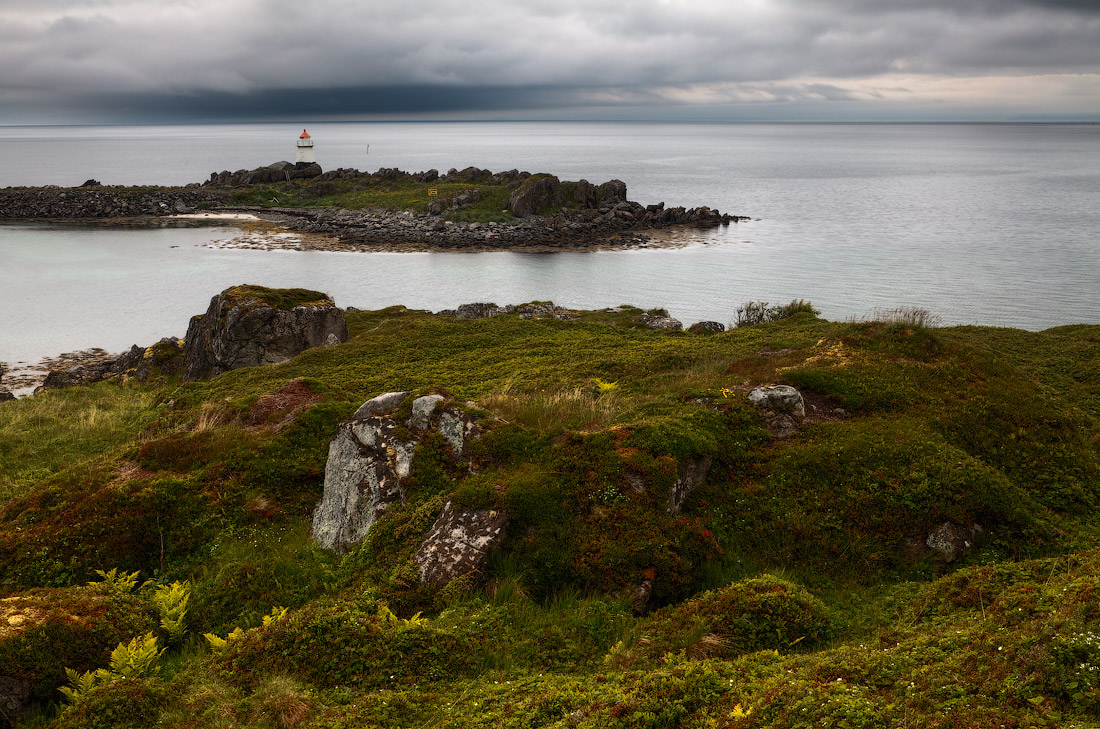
x=794, y=588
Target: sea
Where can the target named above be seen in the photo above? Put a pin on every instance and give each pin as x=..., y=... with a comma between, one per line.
x=989, y=224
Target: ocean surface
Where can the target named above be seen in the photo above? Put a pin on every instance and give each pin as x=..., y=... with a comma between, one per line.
x=981, y=224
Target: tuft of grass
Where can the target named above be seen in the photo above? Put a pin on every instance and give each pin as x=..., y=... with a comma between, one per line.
x=57, y=429
x=580, y=408
x=910, y=316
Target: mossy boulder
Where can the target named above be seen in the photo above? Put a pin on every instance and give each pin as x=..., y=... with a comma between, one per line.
x=246, y=326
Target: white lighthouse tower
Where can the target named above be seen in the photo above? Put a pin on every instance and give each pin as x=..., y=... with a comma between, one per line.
x=305, y=149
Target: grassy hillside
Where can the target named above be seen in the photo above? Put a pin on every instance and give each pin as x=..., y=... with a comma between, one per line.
x=793, y=589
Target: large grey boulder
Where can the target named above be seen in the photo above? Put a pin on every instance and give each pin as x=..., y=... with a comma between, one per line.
x=369, y=460
x=459, y=543
x=246, y=326
x=782, y=408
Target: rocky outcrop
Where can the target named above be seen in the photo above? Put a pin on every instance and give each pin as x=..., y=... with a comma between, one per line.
x=459, y=543
x=659, y=319
x=532, y=310
x=369, y=459
x=163, y=359
x=782, y=408
x=276, y=172
x=246, y=326
x=535, y=194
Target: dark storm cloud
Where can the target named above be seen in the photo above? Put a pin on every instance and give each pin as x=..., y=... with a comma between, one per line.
x=255, y=57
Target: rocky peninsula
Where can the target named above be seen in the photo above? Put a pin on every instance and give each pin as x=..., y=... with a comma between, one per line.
x=345, y=209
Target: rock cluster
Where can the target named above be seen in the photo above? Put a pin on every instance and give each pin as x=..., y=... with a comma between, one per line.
x=782, y=407
x=277, y=172
x=369, y=459
x=165, y=358
x=242, y=329
x=96, y=201
x=533, y=310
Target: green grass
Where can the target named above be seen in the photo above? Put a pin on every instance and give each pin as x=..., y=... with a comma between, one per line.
x=369, y=193
x=66, y=430
x=587, y=424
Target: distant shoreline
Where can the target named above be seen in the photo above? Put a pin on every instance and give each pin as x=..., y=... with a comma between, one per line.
x=390, y=210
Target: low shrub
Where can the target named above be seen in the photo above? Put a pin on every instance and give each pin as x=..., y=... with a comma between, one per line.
x=756, y=614
x=759, y=312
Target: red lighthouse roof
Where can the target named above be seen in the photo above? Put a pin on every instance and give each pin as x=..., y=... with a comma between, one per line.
x=305, y=135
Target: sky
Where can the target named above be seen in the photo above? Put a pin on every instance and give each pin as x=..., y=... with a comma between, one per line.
x=164, y=61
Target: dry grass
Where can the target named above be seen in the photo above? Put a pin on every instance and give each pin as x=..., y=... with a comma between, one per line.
x=584, y=408
x=911, y=316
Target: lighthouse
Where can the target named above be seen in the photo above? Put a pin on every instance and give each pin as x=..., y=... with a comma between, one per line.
x=305, y=148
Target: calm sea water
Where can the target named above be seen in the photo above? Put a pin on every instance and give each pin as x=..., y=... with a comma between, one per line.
x=985, y=224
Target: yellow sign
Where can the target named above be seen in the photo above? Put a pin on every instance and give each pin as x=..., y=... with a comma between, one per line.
x=432, y=192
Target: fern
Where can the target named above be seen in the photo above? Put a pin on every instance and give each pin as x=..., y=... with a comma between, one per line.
x=122, y=583
x=138, y=658
x=219, y=644
x=171, y=601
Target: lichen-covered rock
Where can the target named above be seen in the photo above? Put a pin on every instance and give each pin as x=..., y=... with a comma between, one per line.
x=692, y=475
x=949, y=541
x=782, y=407
x=661, y=320
x=459, y=543
x=384, y=403
x=246, y=326
x=370, y=457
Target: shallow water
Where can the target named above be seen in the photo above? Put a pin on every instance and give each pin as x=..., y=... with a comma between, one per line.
x=985, y=224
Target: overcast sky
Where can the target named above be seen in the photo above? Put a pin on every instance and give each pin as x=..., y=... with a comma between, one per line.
x=73, y=61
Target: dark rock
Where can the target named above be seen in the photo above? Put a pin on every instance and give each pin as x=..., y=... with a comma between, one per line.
x=459, y=543
x=708, y=327
x=6, y=396
x=478, y=311
x=535, y=194
x=15, y=694
x=949, y=541
x=91, y=183
x=611, y=192
x=241, y=329
x=692, y=475
x=782, y=407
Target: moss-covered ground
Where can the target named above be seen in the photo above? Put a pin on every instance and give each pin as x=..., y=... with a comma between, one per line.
x=794, y=589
